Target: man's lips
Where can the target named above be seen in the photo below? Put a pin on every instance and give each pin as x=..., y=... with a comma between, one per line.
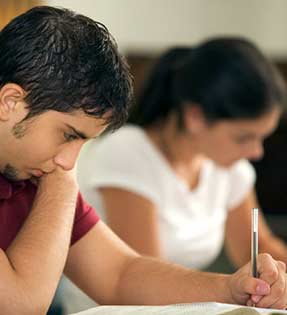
x=37, y=173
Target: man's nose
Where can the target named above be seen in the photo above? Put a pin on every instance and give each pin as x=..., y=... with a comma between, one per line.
x=67, y=157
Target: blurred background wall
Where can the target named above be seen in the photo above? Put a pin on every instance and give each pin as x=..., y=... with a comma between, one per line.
x=152, y=25
x=11, y=8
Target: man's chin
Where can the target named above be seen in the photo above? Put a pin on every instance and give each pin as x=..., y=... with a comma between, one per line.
x=10, y=173
x=16, y=179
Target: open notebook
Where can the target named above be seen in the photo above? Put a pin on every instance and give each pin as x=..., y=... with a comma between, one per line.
x=209, y=308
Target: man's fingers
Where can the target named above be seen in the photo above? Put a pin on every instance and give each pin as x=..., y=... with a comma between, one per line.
x=278, y=295
x=268, y=268
x=281, y=266
x=254, y=286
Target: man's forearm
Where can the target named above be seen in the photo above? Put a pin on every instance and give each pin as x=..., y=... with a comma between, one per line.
x=36, y=258
x=149, y=281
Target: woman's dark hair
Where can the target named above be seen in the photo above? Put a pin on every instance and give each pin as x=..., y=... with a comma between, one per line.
x=229, y=78
x=65, y=62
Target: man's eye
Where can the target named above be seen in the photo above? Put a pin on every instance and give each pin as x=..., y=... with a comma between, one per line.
x=70, y=137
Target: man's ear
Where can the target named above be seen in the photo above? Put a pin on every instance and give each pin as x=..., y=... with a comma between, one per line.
x=11, y=100
x=194, y=118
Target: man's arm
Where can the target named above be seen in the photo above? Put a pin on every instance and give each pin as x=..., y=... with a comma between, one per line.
x=111, y=273
x=31, y=267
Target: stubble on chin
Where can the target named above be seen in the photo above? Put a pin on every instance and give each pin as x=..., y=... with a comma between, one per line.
x=10, y=173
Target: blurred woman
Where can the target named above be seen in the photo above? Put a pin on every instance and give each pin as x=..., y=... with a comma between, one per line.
x=176, y=182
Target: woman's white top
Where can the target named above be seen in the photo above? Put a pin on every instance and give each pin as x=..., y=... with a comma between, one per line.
x=191, y=222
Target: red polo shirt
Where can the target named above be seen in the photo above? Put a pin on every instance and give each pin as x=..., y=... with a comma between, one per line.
x=16, y=200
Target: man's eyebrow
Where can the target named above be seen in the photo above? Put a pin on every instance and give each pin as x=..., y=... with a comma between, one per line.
x=79, y=133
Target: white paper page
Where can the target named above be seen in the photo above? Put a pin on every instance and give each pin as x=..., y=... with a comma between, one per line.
x=209, y=308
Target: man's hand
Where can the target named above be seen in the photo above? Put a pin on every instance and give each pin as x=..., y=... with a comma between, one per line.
x=59, y=182
x=38, y=253
x=268, y=291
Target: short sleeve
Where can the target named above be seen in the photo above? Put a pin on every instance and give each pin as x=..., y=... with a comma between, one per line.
x=122, y=160
x=85, y=218
x=242, y=179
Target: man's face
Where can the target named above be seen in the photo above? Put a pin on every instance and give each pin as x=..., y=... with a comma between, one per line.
x=40, y=144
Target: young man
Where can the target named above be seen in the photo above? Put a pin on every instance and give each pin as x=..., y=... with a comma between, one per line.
x=63, y=82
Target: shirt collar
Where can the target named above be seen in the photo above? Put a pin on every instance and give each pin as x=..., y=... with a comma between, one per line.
x=7, y=188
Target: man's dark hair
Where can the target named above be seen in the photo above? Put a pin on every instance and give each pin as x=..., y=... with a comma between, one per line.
x=65, y=62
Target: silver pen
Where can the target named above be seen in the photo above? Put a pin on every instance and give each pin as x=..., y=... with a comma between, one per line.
x=254, y=242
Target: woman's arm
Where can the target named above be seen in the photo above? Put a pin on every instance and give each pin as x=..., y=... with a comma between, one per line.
x=133, y=218
x=237, y=237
